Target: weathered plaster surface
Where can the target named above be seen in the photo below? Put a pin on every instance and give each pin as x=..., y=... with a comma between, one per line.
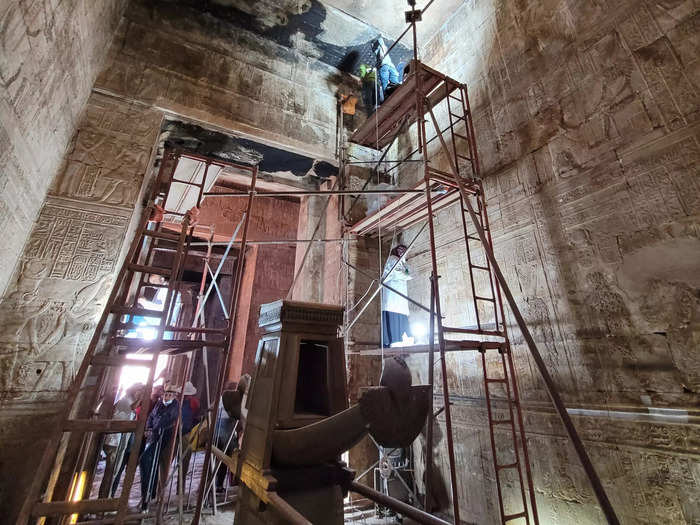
x=50, y=54
x=586, y=115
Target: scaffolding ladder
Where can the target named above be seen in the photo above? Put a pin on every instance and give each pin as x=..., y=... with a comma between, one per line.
x=424, y=95
x=61, y=489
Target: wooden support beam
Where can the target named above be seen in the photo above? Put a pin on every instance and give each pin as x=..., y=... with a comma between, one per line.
x=109, y=426
x=66, y=508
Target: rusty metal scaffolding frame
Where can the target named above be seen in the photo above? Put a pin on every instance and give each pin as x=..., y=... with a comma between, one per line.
x=421, y=93
x=420, y=96
x=73, y=449
x=424, y=90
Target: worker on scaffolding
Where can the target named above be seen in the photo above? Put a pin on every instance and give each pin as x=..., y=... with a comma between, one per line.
x=368, y=76
x=389, y=78
x=395, y=325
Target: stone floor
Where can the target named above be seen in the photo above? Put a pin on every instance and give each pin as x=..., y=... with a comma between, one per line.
x=191, y=486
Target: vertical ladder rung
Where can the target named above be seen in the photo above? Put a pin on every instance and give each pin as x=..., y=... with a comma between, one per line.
x=489, y=299
x=509, y=465
x=499, y=380
x=502, y=422
x=477, y=267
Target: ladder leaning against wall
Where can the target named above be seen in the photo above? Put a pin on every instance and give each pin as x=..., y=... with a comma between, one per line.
x=61, y=489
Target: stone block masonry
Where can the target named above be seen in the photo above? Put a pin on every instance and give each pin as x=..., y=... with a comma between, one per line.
x=50, y=54
x=204, y=69
x=586, y=117
x=163, y=61
x=65, y=274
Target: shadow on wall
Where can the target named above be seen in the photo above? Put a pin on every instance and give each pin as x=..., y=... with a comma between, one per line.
x=552, y=116
x=309, y=27
x=588, y=160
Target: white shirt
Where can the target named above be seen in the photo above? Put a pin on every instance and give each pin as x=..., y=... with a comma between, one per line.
x=392, y=302
x=122, y=410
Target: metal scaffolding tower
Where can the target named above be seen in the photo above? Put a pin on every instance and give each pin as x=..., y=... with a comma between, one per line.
x=425, y=98
x=62, y=488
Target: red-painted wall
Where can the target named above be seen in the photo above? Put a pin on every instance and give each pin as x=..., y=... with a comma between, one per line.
x=269, y=269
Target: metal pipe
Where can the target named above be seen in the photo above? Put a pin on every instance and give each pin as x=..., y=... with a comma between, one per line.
x=380, y=160
x=286, y=511
x=392, y=46
x=223, y=370
x=275, y=241
x=311, y=192
x=217, y=162
x=379, y=287
x=431, y=380
x=421, y=106
x=396, y=505
x=388, y=287
x=369, y=176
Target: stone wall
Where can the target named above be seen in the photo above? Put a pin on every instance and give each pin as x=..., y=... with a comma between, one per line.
x=65, y=273
x=164, y=61
x=586, y=115
x=269, y=268
x=205, y=69
x=50, y=54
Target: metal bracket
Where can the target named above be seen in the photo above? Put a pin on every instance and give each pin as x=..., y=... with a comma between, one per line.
x=413, y=16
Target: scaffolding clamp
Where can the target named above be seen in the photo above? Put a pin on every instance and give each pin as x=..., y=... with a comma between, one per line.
x=414, y=15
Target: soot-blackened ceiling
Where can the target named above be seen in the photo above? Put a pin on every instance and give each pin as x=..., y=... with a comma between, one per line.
x=195, y=139
x=308, y=26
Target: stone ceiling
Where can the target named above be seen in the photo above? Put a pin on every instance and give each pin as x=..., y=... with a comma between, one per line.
x=337, y=32
x=388, y=15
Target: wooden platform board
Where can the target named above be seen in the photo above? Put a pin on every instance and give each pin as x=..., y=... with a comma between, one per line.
x=400, y=107
x=405, y=210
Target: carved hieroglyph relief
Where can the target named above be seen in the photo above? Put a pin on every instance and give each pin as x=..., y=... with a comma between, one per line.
x=65, y=272
x=60, y=288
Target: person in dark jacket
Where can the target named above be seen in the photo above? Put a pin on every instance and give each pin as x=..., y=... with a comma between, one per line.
x=160, y=427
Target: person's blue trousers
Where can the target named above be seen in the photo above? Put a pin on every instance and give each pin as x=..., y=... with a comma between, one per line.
x=387, y=73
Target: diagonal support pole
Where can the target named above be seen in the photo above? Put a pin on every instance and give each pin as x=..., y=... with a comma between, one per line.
x=600, y=493
x=218, y=291
x=221, y=265
x=541, y=366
